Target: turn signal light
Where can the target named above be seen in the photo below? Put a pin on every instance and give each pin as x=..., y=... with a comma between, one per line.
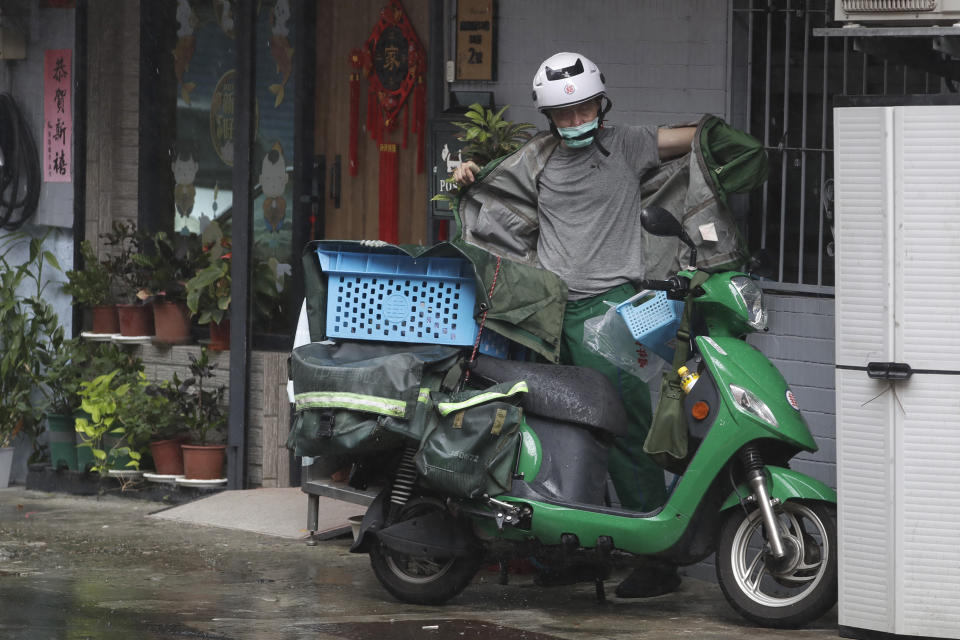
x=700, y=410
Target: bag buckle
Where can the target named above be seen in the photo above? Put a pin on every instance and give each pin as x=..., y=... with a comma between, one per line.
x=326, y=424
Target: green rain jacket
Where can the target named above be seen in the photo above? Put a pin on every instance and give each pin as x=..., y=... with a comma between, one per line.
x=498, y=226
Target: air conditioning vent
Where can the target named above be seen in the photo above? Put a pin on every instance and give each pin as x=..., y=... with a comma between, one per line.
x=902, y=6
x=898, y=12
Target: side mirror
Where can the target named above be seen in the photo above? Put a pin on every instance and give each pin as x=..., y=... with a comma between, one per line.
x=660, y=222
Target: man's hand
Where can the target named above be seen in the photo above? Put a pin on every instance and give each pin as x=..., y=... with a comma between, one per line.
x=466, y=173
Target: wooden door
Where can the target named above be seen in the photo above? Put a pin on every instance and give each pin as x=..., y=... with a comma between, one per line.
x=344, y=25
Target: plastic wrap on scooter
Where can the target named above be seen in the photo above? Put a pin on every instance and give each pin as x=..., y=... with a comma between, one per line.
x=573, y=467
x=567, y=393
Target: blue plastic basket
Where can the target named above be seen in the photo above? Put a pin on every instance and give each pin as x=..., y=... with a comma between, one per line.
x=494, y=345
x=653, y=321
x=398, y=298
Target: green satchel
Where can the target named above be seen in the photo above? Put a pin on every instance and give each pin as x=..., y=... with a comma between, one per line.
x=470, y=447
x=666, y=441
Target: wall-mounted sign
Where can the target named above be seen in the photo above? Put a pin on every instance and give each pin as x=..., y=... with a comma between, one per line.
x=475, y=40
x=57, y=115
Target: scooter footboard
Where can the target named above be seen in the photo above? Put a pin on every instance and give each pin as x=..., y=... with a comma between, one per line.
x=786, y=484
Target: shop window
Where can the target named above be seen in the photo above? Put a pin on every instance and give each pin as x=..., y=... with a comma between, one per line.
x=189, y=109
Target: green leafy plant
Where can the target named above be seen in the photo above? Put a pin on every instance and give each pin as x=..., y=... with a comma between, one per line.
x=75, y=360
x=28, y=327
x=489, y=135
x=129, y=275
x=148, y=411
x=103, y=432
x=208, y=291
x=201, y=404
x=93, y=284
x=70, y=365
x=168, y=263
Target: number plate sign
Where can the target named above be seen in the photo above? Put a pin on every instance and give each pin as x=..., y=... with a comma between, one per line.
x=475, y=40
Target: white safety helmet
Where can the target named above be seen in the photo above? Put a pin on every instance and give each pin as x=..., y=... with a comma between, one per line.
x=566, y=79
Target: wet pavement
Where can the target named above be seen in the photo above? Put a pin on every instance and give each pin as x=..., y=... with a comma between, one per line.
x=88, y=568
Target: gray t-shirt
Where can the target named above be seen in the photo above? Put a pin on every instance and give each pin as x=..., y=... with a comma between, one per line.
x=589, y=205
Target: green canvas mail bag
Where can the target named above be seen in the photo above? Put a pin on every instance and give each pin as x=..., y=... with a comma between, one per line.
x=363, y=397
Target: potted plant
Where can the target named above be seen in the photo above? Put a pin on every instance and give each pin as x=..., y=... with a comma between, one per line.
x=92, y=287
x=101, y=358
x=103, y=432
x=28, y=323
x=488, y=136
x=131, y=275
x=201, y=408
x=149, y=413
x=169, y=263
x=61, y=386
x=208, y=291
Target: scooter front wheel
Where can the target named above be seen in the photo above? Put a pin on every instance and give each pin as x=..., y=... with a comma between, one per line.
x=780, y=592
x=422, y=579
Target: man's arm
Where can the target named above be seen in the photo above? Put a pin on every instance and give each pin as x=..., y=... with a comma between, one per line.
x=673, y=142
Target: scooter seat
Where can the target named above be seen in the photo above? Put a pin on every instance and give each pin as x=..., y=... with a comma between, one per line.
x=572, y=394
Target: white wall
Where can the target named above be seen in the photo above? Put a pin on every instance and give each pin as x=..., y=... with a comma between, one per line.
x=23, y=79
x=665, y=61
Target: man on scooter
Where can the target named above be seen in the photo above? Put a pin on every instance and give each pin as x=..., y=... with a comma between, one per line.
x=590, y=236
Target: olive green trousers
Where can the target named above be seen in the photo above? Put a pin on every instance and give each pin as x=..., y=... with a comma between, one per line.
x=637, y=479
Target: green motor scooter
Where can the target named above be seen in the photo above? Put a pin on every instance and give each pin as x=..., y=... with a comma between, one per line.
x=773, y=530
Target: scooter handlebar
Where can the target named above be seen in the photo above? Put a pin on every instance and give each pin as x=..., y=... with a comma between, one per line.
x=673, y=284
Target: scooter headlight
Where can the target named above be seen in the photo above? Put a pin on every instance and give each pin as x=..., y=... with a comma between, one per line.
x=752, y=296
x=747, y=402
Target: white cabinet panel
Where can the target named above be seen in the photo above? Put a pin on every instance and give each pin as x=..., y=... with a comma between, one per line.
x=898, y=295
x=927, y=222
x=862, y=193
x=866, y=489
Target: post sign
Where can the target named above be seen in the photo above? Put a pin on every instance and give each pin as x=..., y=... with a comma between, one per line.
x=445, y=156
x=475, y=40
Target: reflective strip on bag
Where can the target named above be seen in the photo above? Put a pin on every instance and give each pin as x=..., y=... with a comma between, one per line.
x=424, y=396
x=446, y=408
x=355, y=401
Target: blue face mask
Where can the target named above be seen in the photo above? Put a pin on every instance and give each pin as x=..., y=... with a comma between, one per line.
x=569, y=133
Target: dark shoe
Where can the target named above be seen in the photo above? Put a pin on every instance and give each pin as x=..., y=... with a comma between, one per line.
x=562, y=576
x=647, y=582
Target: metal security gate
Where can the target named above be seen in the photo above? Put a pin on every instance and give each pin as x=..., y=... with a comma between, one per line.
x=783, y=83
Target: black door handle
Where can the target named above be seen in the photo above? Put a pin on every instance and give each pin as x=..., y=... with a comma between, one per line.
x=335, y=182
x=889, y=371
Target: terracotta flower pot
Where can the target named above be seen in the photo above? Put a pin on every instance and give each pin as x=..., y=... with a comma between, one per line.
x=171, y=321
x=135, y=320
x=105, y=319
x=167, y=456
x=203, y=462
x=220, y=335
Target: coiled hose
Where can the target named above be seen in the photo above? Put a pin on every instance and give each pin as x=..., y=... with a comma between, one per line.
x=19, y=167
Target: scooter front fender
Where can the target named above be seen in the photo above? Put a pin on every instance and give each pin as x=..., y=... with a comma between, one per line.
x=786, y=484
x=733, y=361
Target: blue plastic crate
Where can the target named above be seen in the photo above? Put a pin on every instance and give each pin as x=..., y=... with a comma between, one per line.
x=653, y=321
x=398, y=298
x=494, y=345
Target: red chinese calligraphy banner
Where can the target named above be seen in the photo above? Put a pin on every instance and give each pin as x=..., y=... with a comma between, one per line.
x=57, y=115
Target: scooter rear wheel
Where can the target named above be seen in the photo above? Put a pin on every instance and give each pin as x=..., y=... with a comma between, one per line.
x=422, y=579
x=786, y=592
